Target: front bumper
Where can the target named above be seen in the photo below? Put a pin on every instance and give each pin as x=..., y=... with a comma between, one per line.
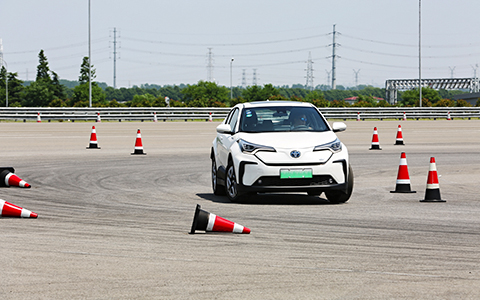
x=257, y=177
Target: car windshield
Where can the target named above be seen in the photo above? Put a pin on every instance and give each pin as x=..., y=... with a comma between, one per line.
x=281, y=119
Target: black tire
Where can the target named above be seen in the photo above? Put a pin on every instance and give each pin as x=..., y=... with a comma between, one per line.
x=339, y=196
x=218, y=189
x=231, y=184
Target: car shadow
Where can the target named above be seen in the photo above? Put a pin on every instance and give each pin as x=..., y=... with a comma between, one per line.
x=270, y=199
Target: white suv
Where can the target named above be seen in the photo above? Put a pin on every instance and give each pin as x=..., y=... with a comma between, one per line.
x=280, y=146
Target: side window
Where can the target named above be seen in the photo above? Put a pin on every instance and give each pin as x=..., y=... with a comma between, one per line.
x=233, y=120
x=229, y=116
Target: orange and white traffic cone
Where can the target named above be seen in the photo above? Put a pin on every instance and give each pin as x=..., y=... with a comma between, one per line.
x=399, y=139
x=210, y=118
x=8, y=178
x=358, y=116
x=11, y=210
x=155, y=117
x=375, y=141
x=93, y=140
x=98, y=118
x=432, y=193
x=39, y=120
x=404, y=116
x=403, y=179
x=448, y=117
x=209, y=222
x=138, y=144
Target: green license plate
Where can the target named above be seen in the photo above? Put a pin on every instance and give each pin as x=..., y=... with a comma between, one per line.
x=295, y=173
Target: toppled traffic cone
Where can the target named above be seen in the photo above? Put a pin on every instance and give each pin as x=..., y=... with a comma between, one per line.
x=93, y=140
x=8, y=178
x=399, y=139
x=375, y=142
x=138, y=144
x=403, y=179
x=11, y=210
x=432, y=193
x=99, y=120
x=206, y=221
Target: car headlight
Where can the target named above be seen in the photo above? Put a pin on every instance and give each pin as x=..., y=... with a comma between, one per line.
x=253, y=148
x=335, y=146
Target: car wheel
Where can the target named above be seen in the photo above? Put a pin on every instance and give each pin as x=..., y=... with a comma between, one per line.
x=339, y=196
x=217, y=189
x=231, y=184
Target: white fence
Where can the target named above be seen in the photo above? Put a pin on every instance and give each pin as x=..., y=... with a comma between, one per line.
x=177, y=113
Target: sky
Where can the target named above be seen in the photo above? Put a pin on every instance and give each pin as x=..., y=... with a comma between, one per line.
x=168, y=42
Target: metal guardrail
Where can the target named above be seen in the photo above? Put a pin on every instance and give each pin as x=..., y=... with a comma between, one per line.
x=181, y=113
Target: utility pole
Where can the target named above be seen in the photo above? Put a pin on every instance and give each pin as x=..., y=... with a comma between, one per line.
x=334, y=78
x=89, y=60
x=210, y=65
x=231, y=88
x=356, y=77
x=309, y=84
x=420, y=50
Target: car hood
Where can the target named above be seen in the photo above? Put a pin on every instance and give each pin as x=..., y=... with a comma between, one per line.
x=289, y=140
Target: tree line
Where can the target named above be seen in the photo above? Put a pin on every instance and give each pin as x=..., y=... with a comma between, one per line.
x=49, y=91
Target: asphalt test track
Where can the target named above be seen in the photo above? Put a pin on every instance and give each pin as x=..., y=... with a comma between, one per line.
x=113, y=225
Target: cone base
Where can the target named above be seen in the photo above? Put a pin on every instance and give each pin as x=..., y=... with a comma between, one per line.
x=93, y=147
x=138, y=153
x=403, y=192
x=399, y=143
x=375, y=148
x=433, y=200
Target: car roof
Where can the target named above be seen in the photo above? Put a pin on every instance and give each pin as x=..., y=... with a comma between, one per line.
x=276, y=103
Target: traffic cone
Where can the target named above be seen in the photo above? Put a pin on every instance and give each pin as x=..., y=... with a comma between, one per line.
x=155, y=117
x=39, y=120
x=399, y=139
x=403, y=180
x=138, y=144
x=432, y=193
x=93, y=140
x=448, y=117
x=358, y=116
x=11, y=210
x=98, y=118
x=206, y=221
x=8, y=178
x=375, y=142
x=404, y=116
x=210, y=119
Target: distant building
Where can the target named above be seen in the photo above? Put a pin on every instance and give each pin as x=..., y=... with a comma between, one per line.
x=471, y=98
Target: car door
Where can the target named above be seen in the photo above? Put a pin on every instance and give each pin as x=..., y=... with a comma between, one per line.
x=225, y=140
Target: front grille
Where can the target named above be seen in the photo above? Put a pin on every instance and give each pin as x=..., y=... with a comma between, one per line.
x=317, y=180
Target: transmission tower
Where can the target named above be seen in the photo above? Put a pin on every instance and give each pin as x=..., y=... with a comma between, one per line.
x=244, y=79
x=210, y=65
x=1, y=54
x=334, y=56
x=451, y=71
x=115, y=57
x=309, y=84
x=356, y=77
x=254, y=81
x=328, y=76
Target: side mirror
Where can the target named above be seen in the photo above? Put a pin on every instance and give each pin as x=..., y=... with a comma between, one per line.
x=339, y=126
x=224, y=128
